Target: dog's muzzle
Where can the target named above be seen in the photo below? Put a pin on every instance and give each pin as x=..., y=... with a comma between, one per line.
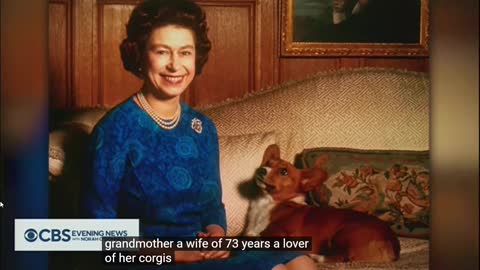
x=260, y=174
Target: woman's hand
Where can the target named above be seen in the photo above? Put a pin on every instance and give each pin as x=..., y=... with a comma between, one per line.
x=214, y=230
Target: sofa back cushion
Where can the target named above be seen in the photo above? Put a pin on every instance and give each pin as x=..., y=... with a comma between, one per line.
x=363, y=108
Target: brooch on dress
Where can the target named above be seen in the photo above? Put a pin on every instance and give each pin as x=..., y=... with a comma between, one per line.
x=197, y=125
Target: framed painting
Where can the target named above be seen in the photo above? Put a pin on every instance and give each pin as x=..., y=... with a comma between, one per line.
x=354, y=28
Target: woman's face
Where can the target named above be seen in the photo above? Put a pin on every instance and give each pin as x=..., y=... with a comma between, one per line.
x=170, y=60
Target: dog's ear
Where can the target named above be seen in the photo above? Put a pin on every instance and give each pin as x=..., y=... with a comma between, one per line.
x=272, y=152
x=312, y=178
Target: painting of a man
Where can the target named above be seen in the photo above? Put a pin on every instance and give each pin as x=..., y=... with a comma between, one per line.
x=352, y=21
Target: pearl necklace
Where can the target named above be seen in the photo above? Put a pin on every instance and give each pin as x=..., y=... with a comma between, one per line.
x=162, y=122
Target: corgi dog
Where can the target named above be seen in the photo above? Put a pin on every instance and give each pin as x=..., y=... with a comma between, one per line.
x=339, y=235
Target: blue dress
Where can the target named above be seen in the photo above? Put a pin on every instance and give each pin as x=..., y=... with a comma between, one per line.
x=168, y=179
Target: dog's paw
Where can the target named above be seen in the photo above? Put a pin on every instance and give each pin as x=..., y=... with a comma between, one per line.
x=251, y=234
x=317, y=258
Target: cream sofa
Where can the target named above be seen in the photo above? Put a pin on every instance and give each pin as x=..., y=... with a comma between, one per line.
x=364, y=108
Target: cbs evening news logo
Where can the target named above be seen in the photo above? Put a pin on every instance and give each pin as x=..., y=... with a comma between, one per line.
x=70, y=234
x=66, y=235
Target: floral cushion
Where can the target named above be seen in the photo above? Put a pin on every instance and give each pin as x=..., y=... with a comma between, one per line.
x=393, y=185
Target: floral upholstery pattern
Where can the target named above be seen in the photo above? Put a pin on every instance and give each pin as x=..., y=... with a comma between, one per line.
x=393, y=185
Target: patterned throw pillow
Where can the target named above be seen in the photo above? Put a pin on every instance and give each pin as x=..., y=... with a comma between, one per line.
x=240, y=156
x=393, y=185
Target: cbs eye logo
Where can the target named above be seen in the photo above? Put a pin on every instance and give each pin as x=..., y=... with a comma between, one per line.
x=31, y=235
x=47, y=235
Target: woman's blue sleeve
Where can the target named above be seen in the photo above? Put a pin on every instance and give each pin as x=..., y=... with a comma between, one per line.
x=215, y=213
x=107, y=166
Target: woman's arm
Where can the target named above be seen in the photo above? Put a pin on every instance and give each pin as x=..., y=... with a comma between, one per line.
x=106, y=169
x=214, y=213
x=214, y=220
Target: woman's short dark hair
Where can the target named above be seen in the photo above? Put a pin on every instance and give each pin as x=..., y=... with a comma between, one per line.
x=152, y=14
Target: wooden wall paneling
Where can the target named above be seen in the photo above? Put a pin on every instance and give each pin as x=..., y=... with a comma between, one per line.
x=59, y=54
x=84, y=48
x=267, y=44
x=412, y=64
x=297, y=68
x=230, y=70
x=350, y=62
x=115, y=83
x=86, y=68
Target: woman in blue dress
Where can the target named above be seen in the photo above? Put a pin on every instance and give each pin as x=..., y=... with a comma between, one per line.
x=156, y=159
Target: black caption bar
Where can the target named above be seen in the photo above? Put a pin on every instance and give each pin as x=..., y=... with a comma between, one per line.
x=208, y=243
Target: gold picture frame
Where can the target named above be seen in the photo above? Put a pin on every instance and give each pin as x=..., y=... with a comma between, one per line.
x=410, y=41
